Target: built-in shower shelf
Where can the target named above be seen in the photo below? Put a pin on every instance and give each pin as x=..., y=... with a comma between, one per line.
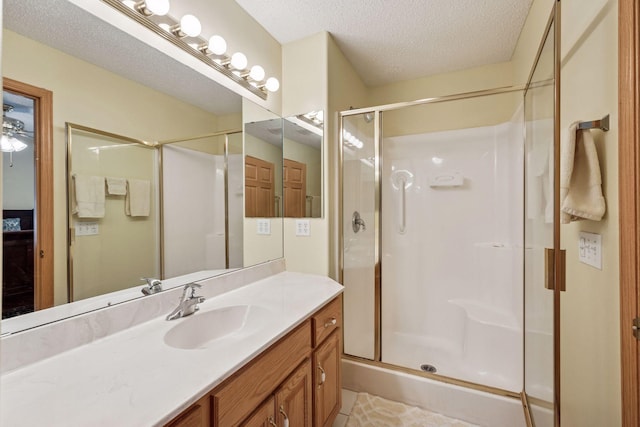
x=486, y=314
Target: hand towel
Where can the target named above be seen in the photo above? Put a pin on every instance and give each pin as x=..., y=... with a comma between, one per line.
x=88, y=196
x=137, y=202
x=116, y=186
x=580, y=180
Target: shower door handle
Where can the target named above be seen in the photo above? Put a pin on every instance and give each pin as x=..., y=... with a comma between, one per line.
x=357, y=222
x=403, y=207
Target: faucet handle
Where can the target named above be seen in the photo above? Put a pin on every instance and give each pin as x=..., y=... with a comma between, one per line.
x=153, y=285
x=151, y=281
x=190, y=289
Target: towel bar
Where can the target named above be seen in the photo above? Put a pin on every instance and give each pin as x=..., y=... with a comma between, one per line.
x=602, y=124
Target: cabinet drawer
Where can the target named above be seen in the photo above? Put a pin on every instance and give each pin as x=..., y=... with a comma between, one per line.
x=327, y=320
x=244, y=391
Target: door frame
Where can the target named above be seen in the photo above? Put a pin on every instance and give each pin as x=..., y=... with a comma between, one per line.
x=43, y=149
x=629, y=186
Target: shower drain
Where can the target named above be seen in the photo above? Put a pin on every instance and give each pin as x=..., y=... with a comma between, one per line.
x=428, y=368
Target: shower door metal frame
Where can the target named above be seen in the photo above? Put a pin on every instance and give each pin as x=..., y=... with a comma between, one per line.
x=555, y=272
x=378, y=128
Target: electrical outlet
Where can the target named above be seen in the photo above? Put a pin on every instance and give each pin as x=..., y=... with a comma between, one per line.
x=303, y=227
x=590, y=249
x=264, y=226
x=87, y=228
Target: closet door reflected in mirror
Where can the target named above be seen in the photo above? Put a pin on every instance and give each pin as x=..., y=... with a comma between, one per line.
x=302, y=173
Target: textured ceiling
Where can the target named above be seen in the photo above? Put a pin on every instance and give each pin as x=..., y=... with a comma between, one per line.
x=394, y=40
x=66, y=27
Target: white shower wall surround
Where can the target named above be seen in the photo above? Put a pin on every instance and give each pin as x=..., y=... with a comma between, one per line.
x=193, y=196
x=452, y=282
x=451, y=291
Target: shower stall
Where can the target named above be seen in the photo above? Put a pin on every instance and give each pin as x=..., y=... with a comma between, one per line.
x=442, y=204
x=448, y=219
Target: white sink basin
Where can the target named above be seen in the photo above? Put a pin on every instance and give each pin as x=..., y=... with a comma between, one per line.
x=204, y=328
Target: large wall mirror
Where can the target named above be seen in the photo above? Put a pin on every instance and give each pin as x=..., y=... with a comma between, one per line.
x=104, y=79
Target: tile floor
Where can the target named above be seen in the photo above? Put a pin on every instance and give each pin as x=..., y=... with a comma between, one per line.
x=374, y=411
x=348, y=399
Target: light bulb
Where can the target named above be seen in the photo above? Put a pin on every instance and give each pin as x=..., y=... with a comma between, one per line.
x=239, y=61
x=190, y=25
x=256, y=73
x=158, y=7
x=217, y=45
x=5, y=145
x=272, y=84
x=17, y=144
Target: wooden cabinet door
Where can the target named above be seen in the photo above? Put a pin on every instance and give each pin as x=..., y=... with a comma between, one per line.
x=295, y=189
x=327, y=381
x=259, y=190
x=264, y=416
x=294, y=398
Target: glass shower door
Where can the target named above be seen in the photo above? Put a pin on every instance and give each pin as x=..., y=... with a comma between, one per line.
x=360, y=264
x=541, y=250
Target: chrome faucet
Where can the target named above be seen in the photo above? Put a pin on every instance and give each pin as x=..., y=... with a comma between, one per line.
x=188, y=302
x=153, y=286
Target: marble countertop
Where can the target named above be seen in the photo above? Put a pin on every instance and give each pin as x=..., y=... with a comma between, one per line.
x=133, y=378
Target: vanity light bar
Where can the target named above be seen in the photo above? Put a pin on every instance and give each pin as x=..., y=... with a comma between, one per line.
x=211, y=52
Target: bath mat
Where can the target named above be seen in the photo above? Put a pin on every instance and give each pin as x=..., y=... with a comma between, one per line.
x=374, y=411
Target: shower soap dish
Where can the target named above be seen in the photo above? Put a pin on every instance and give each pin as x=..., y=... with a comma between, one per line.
x=446, y=179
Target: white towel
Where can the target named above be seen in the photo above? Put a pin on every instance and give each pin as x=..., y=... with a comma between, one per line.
x=88, y=196
x=116, y=186
x=137, y=202
x=580, y=179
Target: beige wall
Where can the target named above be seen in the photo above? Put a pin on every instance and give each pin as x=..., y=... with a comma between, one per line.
x=590, y=326
x=91, y=96
x=469, y=80
x=305, y=80
x=346, y=89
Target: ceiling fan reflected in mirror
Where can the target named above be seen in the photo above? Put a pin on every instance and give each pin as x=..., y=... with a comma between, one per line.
x=13, y=134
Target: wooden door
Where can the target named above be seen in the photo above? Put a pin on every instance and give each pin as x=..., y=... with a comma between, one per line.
x=259, y=189
x=629, y=191
x=293, y=398
x=43, y=213
x=327, y=389
x=295, y=189
x=264, y=416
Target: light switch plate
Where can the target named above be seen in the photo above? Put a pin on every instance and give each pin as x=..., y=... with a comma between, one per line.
x=87, y=228
x=590, y=249
x=303, y=227
x=264, y=226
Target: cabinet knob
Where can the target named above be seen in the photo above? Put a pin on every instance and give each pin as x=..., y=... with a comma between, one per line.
x=332, y=322
x=286, y=417
x=272, y=423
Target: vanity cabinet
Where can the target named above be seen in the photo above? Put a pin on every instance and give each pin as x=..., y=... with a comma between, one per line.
x=295, y=382
x=327, y=393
